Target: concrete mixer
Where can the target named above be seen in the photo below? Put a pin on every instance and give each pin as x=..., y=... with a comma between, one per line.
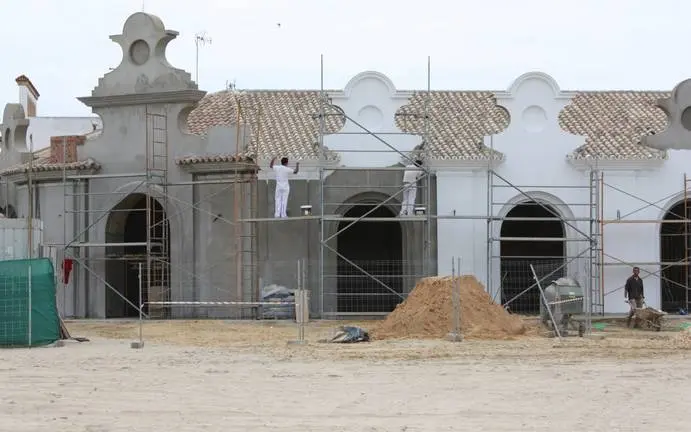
x=564, y=297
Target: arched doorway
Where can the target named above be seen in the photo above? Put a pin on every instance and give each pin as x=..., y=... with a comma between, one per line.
x=517, y=255
x=10, y=212
x=376, y=247
x=674, y=243
x=127, y=223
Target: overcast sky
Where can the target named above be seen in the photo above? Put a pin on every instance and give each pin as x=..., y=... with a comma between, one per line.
x=63, y=45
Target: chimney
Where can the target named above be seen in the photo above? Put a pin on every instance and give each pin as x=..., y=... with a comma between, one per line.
x=63, y=149
x=28, y=95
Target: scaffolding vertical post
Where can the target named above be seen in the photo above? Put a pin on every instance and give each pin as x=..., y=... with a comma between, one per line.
x=490, y=222
x=686, y=242
x=322, y=101
x=30, y=186
x=252, y=229
x=428, y=189
x=64, y=222
x=237, y=203
x=601, y=251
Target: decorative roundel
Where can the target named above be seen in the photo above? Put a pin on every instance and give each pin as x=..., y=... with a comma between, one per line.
x=139, y=52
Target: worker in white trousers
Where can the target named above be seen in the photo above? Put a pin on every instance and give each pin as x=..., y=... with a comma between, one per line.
x=282, y=185
x=410, y=177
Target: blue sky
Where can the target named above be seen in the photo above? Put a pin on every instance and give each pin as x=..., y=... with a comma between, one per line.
x=63, y=46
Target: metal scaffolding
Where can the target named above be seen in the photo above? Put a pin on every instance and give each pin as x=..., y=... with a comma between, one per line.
x=675, y=244
x=583, y=236
x=381, y=280
x=385, y=278
x=578, y=239
x=153, y=254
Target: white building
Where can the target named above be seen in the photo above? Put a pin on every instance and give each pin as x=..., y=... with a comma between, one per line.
x=553, y=143
x=571, y=163
x=42, y=128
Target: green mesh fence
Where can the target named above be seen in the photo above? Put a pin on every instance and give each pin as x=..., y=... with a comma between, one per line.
x=28, y=285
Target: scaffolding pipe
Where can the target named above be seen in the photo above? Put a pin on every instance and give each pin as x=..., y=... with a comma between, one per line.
x=322, y=100
x=428, y=180
x=374, y=169
x=540, y=239
x=686, y=240
x=30, y=186
x=378, y=138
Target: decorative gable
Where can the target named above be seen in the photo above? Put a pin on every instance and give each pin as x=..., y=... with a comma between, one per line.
x=677, y=135
x=534, y=102
x=144, y=74
x=370, y=103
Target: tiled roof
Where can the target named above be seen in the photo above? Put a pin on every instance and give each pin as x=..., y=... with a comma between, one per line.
x=458, y=122
x=283, y=123
x=42, y=162
x=195, y=159
x=614, y=122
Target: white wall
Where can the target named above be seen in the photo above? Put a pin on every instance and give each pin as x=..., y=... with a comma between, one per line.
x=42, y=128
x=535, y=149
x=371, y=100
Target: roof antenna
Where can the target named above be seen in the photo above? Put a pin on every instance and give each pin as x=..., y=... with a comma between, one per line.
x=143, y=5
x=200, y=38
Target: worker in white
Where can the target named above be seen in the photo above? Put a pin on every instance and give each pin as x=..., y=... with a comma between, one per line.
x=410, y=177
x=282, y=186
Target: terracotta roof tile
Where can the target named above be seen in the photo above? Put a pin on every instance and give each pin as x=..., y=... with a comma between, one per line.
x=195, y=159
x=458, y=122
x=43, y=163
x=614, y=122
x=283, y=123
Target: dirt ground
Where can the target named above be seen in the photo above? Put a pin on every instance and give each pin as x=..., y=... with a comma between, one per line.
x=243, y=376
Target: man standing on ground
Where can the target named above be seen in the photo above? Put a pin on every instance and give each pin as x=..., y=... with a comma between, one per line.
x=633, y=292
x=282, y=186
x=410, y=177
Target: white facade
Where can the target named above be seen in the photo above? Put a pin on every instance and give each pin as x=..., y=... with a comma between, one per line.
x=370, y=102
x=41, y=129
x=535, y=153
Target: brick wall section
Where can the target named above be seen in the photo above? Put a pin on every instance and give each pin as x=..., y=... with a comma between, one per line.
x=66, y=151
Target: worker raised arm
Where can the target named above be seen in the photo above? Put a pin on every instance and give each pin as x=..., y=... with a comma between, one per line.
x=282, y=185
x=271, y=164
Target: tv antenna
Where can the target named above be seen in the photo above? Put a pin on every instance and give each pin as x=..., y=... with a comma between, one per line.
x=199, y=39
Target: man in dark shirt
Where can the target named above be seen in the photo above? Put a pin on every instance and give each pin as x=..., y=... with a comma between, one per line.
x=633, y=292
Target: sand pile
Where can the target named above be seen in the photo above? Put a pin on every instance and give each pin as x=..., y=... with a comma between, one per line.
x=428, y=313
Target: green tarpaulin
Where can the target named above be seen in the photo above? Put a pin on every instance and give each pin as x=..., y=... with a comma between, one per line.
x=28, y=284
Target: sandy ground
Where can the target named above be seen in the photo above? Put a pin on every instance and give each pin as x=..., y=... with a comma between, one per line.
x=225, y=376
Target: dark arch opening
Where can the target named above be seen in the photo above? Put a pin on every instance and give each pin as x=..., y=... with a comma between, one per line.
x=10, y=212
x=376, y=247
x=127, y=223
x=673, y=246
x=517, y=255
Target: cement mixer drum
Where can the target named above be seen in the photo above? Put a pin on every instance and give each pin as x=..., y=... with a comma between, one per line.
x=564, y=297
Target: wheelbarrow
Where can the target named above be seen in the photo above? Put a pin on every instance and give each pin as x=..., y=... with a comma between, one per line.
x=647, y=317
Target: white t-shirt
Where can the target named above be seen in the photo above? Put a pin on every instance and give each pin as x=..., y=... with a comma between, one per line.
x=282, y=172
x=412, y=174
